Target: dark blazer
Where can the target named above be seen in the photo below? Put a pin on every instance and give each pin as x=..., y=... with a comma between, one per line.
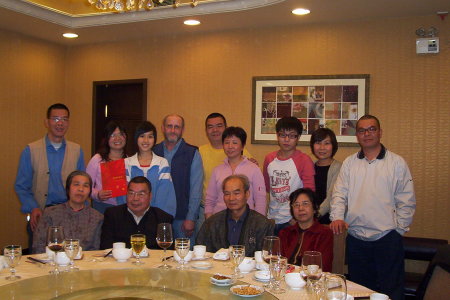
x=119, y=224
x=214, y=232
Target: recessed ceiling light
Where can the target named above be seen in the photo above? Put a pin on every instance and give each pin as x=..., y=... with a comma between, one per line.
x=70, y=35
x=300, y=11
x=191, y=22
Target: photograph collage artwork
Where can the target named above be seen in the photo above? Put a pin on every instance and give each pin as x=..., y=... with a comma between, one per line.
x=331, y=106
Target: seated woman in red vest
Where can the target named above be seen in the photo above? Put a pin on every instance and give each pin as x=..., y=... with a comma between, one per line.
x=307, y=234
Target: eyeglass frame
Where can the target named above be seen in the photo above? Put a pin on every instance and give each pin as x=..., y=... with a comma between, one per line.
x=370, y=130
x=59, y=119
x=291, y=136
x=139, y=195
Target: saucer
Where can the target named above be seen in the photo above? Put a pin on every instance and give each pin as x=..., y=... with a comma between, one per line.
x=201, y=265
x=230, y=282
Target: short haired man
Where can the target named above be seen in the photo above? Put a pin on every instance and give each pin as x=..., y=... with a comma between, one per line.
x=186, y=170
x=374, y=198
x=44, y=166
x=213, y=155
x=238, y=224
x=285, y=171
x=136, y=216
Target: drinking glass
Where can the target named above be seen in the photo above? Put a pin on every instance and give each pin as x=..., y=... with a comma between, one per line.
x=312, y=266
x=12, y=254
x=271, y=247
x=55, y=242
x=138, y=244
x=237, y=254
x=277, y=267
x=182, y=246
x=71, y=247
x=336, y=287
x=164, y=238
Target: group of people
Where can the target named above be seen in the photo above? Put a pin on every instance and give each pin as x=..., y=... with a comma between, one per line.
x=216, y=194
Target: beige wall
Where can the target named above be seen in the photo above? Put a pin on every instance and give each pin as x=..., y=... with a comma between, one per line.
x=31, y=78
x=196, y=74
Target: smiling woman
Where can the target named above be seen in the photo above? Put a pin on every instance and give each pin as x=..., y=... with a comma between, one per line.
x=78, y=219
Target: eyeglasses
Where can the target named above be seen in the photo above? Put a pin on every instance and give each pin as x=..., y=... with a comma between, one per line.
x=292, y=136
x=132, y=194
x=121, y=134
x=297, y=205
x=371, y=129
x=59, y=119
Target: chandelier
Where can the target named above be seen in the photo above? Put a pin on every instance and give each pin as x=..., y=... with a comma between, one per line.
x=125, y=5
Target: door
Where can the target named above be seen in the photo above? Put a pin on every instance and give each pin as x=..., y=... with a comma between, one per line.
x=124, y=101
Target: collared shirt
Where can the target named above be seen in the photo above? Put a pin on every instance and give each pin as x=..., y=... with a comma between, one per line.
x=196, y=182
x=24, y=181
x=136, y=218
x=235, y=227
x=374, y=197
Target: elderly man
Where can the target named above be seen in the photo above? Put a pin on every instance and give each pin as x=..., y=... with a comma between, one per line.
x=136, y=216
x=44, y=166
x=186, y=171
x=238, y=224
x=374, y=198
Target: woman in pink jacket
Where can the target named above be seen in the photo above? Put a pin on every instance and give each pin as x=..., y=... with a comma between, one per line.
x=233, y=139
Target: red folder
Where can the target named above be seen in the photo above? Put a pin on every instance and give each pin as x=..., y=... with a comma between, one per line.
x=113, y=177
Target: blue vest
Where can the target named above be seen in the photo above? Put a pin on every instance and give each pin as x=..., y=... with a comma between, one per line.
x=180, y=170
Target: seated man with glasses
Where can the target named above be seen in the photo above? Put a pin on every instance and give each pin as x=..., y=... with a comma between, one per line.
x=136, y=216
x=285, y=171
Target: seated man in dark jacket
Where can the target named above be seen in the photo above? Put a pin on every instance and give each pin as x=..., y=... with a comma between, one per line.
x=136, y=216
x=238, y=224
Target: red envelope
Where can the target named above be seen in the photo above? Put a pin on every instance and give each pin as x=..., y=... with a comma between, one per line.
x=113, y=177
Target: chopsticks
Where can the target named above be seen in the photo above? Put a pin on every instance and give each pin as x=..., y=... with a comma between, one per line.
x=108, y=253
x=36, y=260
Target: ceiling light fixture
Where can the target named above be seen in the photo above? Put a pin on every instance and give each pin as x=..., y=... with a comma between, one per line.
x=191, y=22
x=127, y=5
x=301, y=11
x=70, y=35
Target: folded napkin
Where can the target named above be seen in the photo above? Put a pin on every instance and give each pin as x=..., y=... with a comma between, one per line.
x=3, y=263
x=222, y=254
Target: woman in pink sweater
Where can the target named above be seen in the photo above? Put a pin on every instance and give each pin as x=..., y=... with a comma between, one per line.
x=233, y=139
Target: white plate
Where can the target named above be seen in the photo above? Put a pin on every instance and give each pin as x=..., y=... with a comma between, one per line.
x=261, y=280
x=202, y=265
x=221, y=280
x=222, y=284
x=260, y=290
x=262, y=275
x=201, y=258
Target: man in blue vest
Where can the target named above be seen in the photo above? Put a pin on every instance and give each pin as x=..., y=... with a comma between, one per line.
x=186, y=170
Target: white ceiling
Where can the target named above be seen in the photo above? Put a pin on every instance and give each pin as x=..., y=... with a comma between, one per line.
x=32, y=20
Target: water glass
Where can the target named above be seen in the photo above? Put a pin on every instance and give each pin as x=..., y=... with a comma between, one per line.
x=12, y=254
x=182, y=247
x=237, y=254
x=277, y=267
x=72, y=247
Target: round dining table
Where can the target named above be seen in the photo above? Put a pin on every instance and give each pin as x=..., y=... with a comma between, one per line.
x=104, y=278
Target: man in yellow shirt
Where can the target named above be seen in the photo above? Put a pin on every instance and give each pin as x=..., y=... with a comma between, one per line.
x=212, y=155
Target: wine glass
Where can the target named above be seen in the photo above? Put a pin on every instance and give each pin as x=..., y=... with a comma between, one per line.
x=71, y=247
x=182, y=247
x=237, y=254
x=271, y=247
x=164, y=238
x=335, y=287
x=277, y=267
x=55, y=240
x=138, y=244
x=312, y=266
x=12, y=254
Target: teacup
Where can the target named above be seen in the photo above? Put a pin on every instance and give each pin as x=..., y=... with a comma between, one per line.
x=378, y=296
x=294, y=280
x=258, y=257
x=247, y=265
x=122, y=254
x=118, y=245
x=199, y=251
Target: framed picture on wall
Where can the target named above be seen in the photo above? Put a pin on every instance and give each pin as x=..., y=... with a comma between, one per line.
x=332, y=101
